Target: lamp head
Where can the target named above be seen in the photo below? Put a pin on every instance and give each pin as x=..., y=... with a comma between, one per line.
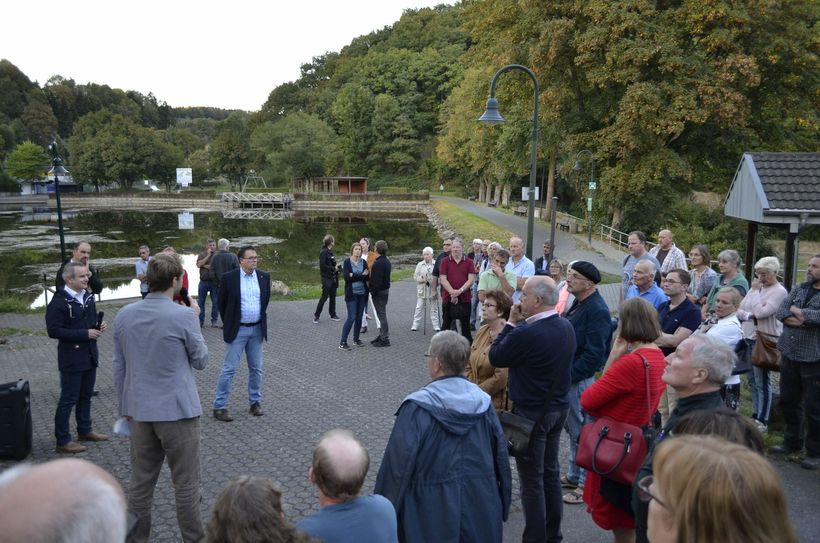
x=577, y=166
x=491, y=114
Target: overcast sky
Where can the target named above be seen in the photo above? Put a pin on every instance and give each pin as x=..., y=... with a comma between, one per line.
x=188, y=53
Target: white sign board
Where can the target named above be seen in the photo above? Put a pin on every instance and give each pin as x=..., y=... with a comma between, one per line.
x=525, y=194
x=185, y=176
x=186, y=220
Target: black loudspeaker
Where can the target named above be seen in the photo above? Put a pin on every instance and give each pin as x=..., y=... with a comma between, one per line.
x=15, y=420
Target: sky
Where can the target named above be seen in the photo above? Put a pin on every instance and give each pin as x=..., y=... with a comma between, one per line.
x=226, y=54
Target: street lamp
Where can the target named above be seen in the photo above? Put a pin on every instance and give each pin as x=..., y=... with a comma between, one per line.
x=591, y=189
x=57, y=169
x=493, y=116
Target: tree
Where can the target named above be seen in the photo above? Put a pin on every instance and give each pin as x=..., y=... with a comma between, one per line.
x=39, y=119
x=28, y=161
x=298, y=145
x=231, y=155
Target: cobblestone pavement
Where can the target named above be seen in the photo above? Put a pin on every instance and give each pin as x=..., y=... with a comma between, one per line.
x=309, y=387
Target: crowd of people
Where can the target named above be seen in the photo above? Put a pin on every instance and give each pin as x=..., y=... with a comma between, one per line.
x=545, y=348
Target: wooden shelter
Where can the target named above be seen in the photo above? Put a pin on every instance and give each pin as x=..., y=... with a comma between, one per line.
x=344, y=185
x=776, y=189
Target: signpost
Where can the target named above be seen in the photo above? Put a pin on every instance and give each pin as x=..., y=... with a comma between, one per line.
x=185, y=176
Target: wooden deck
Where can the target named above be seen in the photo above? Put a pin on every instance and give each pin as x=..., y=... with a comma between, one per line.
x=254, y=200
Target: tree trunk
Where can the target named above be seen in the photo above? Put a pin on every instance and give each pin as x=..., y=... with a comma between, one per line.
x=617, y=217
x=550, y=188
x=482, y=190
x=505, y=195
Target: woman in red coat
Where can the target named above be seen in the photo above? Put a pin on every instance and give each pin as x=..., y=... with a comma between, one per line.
x=620, y=393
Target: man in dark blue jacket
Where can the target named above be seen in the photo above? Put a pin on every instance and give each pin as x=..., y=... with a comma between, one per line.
x=71, y=317
x=243, y=299
x=537, y=345
x=445, y=467
x=589, y=316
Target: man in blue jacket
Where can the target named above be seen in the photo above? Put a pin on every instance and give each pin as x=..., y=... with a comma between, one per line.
x=589, y=316
x=445, y=467
x=71, y=317
x=537, y=345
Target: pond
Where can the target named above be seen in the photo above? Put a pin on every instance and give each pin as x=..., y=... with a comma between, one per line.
x=288, y=247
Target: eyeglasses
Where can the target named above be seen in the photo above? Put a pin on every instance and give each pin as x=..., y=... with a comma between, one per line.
x=428, y=355
x=485, y=304
x=645, y=495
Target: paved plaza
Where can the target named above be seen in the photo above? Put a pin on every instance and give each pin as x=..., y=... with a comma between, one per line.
x=309, y=387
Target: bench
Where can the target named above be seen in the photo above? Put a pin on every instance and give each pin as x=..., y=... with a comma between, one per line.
x=471, y=198
x=520, y=210
x=564, y=224
x=493, y=203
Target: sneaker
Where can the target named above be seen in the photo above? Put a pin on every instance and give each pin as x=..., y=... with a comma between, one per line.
x=810, y=462
x=414, y=329
x=345, y=347
x=363, y=330
x=335, y=318
x=358, y=343
x=214, y=324
x=315, y=320
x=761, y=426
x=383, y=343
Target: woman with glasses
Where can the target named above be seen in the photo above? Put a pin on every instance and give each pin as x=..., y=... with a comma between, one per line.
x=707, y=489
x=490, y=379
x=756, y=313
x=703, y=276
x=621, y=393
x=556, y=271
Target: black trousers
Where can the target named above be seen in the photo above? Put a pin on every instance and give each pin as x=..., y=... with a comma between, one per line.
x=800, y=404
x=457, y=312
x=329, y=287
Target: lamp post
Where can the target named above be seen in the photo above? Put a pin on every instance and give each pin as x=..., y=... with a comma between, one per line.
x=492, y=116
x=57, y=169
x=591, y=189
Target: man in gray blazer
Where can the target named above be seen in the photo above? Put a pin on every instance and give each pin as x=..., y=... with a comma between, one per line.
x=157, y=344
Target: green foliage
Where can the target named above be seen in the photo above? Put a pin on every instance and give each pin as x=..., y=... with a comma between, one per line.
x=28, y=161
x=230, y=153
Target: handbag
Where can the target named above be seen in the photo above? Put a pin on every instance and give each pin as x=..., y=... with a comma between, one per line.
x=518, y=429
x=742, y=360
x=613, y=449
x=765, y=354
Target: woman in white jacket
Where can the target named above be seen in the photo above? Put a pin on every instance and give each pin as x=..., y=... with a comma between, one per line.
x=425, y=293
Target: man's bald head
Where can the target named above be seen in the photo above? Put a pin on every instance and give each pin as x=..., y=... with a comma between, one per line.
x=63, y=501
x=340, y=464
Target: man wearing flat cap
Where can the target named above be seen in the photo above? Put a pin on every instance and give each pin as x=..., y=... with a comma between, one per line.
x=590, y=318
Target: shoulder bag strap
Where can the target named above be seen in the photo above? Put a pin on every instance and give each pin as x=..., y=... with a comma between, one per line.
x=646, y=373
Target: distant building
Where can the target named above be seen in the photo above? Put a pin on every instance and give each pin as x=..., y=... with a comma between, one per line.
x=344, y=185
x=46, y=186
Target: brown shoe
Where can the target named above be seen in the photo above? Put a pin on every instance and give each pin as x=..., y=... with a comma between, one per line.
x=94, y=436
x=256, y=410
x=72, y=447
x=222, y=414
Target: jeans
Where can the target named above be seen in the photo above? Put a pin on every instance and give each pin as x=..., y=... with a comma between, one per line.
x=474, y=305
x=761, y=385
x=539, y=476
x=248, y=339
x=76, y=388
x=204, y=288
x=380, y=306
x=355, y=309
x=575, y=420
x=800, y=404
x=329, y=287
x=151, y=443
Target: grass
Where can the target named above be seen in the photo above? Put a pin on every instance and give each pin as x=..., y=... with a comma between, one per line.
x=469, y=226
x=607, y=278
x=11, y=303
x=8, y=332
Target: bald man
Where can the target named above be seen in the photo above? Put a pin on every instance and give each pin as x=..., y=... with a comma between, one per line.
x=64, y=500
x=667, y=253
x=340, y=464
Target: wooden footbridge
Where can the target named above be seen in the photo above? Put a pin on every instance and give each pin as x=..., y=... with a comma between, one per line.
x=258, y=200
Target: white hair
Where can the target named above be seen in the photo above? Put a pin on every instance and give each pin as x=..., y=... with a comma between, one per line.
x=427, y=251
x=223, y=244
x=770, y=263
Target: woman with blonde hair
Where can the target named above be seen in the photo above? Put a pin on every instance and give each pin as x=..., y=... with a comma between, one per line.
x=725, y=326
x=757, y=316
x=707, y=489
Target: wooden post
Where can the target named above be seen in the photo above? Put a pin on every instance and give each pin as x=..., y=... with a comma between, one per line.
x=751, y=247
x=790, y=258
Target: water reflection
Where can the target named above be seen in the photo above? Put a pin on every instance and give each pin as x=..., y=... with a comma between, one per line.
x=288, y=244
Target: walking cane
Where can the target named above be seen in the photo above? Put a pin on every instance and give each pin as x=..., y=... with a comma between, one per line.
x=426, y=291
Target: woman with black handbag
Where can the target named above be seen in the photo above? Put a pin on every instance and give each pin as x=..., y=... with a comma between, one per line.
x=633, y=371
x=757, y=318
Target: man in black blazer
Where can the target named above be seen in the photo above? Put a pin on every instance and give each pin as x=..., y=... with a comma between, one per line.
x=80, y=254
x=243, y=301
x=542, y=263
x=538, y=346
